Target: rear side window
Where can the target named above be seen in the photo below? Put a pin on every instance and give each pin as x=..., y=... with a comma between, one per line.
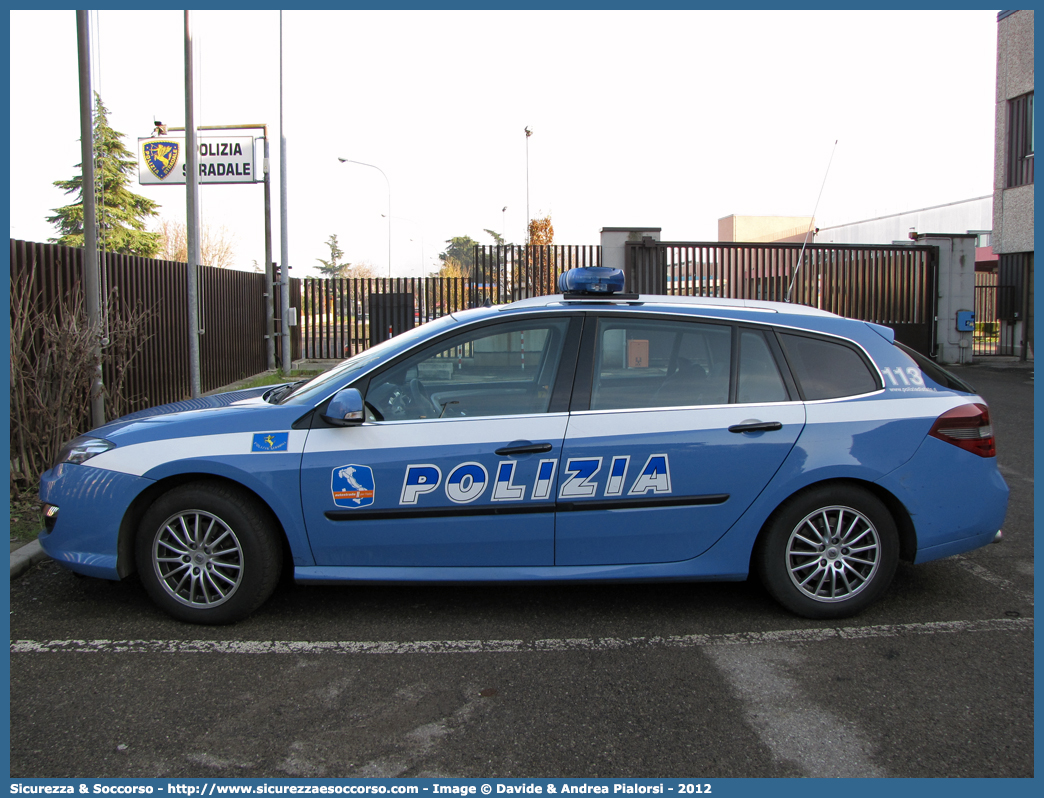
x=759, y=379
x=657, y=363
x=828, y=369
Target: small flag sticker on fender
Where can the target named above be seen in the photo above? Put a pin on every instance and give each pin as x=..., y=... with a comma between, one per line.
x=270, y=442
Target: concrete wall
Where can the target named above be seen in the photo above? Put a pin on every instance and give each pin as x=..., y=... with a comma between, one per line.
x=956, y=292
x=614, y=239
x=1013, y=220
x=1012, y=207
x=776, y=229
x=953, y=217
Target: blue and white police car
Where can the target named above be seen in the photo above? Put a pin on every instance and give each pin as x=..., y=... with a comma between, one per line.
x=591, y=435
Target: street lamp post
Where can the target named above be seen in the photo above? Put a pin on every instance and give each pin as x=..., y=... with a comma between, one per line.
x=388, y=182
x=528, y=134
x=411, y=221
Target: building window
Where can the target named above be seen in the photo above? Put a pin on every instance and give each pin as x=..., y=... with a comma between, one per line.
x=1020, y=141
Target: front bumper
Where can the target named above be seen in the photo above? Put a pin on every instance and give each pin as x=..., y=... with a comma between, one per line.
x=92, y=503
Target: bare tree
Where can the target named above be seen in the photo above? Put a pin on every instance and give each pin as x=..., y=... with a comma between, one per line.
x=541, y=231
x=217, y=246
x=361, y=271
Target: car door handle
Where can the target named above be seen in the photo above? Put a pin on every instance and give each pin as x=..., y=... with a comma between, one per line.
x=525, y=448
x=756, y=426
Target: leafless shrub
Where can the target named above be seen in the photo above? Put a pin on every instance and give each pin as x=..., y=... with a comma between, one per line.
x=52, y=369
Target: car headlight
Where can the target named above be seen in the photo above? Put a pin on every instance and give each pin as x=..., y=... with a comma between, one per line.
x=83, y=448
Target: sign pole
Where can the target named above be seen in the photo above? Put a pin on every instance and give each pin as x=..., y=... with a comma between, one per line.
x=218, y=159
x=269, y=273
x=192, y=215
x=284, y=246
x=91, y=270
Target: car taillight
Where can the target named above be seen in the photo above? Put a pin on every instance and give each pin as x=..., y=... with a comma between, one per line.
x=968, y=427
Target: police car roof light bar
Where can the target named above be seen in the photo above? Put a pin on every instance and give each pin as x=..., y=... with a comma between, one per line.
x=588, y=280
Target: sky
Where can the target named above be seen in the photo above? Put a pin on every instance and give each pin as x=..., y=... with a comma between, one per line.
x=669, y=119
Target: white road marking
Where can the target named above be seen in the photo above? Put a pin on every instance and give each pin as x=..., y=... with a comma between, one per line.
x=1011, y=473
x=988, y=576
x=795, y=636
x=787, y=720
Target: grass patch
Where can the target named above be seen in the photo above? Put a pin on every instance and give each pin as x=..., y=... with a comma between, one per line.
x=277, y=377
x=26, y=518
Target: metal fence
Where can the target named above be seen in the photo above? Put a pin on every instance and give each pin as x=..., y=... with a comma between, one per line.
x=232, y=317
x=511, y=272
x=340, y=317
x=891, y=285
x=992, y=336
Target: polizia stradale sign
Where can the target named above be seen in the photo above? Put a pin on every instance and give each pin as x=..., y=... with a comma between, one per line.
x=222, y=159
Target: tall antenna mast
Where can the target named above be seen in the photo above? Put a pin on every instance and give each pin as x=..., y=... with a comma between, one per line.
x=812, y=221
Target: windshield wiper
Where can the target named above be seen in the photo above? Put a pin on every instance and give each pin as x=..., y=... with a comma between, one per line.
x=278, y=394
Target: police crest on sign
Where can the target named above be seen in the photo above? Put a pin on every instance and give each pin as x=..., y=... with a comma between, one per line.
x=222, y=159
x=161, y=156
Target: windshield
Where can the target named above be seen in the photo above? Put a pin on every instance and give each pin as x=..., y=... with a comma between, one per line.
x=320, y=387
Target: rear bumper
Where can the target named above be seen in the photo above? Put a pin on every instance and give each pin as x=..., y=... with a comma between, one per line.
x=957, y=500
x=955, y=547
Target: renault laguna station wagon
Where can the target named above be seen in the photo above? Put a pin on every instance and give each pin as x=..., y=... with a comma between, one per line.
x=591, y=435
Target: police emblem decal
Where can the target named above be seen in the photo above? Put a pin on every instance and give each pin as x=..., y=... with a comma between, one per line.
x=270, y=441
x=161, y=157
x=352, y=486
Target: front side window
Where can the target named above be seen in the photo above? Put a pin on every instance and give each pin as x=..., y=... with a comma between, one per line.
x=828, y=369
x=503, y=370
x=651, y=363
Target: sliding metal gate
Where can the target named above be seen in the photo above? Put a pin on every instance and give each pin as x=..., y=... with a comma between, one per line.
x=892, y=285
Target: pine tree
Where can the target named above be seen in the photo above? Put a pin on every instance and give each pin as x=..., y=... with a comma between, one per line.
x=460, y=254
x=333, y=267
x=121, y=213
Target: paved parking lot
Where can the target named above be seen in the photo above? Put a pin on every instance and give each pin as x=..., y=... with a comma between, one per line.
x=702, y=681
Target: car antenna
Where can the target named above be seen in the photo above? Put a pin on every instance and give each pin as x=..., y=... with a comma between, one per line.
x=812, y=221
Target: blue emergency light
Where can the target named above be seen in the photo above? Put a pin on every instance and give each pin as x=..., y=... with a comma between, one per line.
x=591, y=280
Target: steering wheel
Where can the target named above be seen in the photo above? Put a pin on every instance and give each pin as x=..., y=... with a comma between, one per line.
x=391, y=401
x=398, y=402
x=423, y=406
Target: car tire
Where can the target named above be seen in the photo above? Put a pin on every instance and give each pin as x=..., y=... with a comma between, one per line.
x=208, y=553
x=829, y=552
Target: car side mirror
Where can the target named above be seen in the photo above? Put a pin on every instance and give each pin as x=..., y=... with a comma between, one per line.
x=345, y=408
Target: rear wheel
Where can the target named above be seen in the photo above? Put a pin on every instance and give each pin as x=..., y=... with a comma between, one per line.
x=829, y=552
x=208, y=553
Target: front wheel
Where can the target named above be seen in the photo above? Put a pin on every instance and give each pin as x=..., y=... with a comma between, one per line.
x=829, y=552
x=208, y=553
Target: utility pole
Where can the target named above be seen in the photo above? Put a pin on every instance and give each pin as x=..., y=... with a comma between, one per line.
x=284, y=245
x=269, y=271
x=528, y=134
x=91, y=270
x=192, y=214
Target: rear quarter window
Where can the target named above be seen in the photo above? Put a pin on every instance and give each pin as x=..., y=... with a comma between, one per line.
x=935, y=372
x=828, y=369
